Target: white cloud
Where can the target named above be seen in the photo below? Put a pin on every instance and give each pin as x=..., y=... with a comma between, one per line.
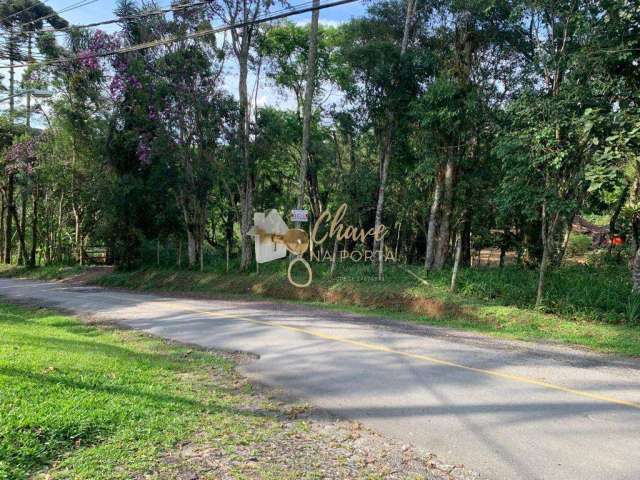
x=324, y=23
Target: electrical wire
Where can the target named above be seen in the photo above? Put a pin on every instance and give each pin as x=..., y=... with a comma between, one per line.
x=74, y=6
x=175, y=8
x=69, y=8
x=200, y=34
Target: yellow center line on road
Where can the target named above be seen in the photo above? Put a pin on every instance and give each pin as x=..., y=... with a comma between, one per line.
x=425, y=358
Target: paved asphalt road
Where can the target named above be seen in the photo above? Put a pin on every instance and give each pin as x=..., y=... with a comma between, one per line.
x=505, y=409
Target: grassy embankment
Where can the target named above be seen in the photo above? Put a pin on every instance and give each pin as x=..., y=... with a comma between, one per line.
x=95, y=402
x=584, y=305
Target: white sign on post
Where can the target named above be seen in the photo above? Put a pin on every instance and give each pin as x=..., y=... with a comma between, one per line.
x=299, y=216
x=264, y=226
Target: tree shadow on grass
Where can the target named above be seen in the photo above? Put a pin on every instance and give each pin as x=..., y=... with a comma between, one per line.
x=57, y=436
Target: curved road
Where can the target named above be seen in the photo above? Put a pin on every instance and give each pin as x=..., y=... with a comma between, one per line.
x=508, y=410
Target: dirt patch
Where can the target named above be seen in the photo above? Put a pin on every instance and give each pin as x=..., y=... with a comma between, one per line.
x=431, y=307
x=303, y=443
x=310, y=450
x=89, y=275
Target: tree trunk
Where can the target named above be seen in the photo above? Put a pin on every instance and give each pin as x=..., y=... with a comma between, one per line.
x=308, y=103
x=635, y=232
x=547, y=232
x=29, y=41
x=194, y=218
x=411, y=10
x=21, y=226
x=246, y=206
x=201, y=241
x=456, y=263
x=447, y=206
x=636, y=272
x=8, y=226
x=45, y=253
x=616, y=213
x=34, y=226
x=78, y=236
x=333, y=257
x=20, y=232
x=565, y=240
x=385, y=157
x=59, y=230
x=3, y=213
x=387, y=139
x=399, y=226
x=12, y=47
x=192, y=249
x=503, y=248
x=466, y=241
x=433, y=221
x=544, y=264
x=246, y=189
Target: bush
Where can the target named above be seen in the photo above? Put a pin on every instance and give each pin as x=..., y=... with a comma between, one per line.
x=632, y=311
x=579, y=245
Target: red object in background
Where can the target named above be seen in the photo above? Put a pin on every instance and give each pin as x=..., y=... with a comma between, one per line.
x=617, y=240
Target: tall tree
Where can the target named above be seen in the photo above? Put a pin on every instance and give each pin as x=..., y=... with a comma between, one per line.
x=308, y=101
x=244, y=12
x=18, y=22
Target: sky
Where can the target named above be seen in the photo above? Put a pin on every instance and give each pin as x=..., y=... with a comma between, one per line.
x=101, y=10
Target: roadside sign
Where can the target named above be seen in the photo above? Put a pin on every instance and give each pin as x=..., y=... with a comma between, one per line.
x=299, y=215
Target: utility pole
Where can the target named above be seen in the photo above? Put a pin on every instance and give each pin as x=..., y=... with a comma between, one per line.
x=29, y=87
x=11, y=73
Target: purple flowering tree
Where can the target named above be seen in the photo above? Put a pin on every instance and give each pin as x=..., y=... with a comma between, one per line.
x=20, y=167
x=79, y=110
x=170, y=118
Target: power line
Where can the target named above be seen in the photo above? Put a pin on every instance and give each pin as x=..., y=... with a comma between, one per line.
x=172, y=39
x=182, y=6
x=73, y=6
x=299, y=6
x=81, y=3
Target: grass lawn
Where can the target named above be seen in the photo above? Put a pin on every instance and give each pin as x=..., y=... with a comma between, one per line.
x=584, y=305
x=92, y=401
x=103, y=403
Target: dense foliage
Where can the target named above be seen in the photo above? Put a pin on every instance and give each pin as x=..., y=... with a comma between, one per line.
x=472, y=124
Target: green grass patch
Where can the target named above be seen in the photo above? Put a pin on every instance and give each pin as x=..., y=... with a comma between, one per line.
x=49, y=272
x=89, y=402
